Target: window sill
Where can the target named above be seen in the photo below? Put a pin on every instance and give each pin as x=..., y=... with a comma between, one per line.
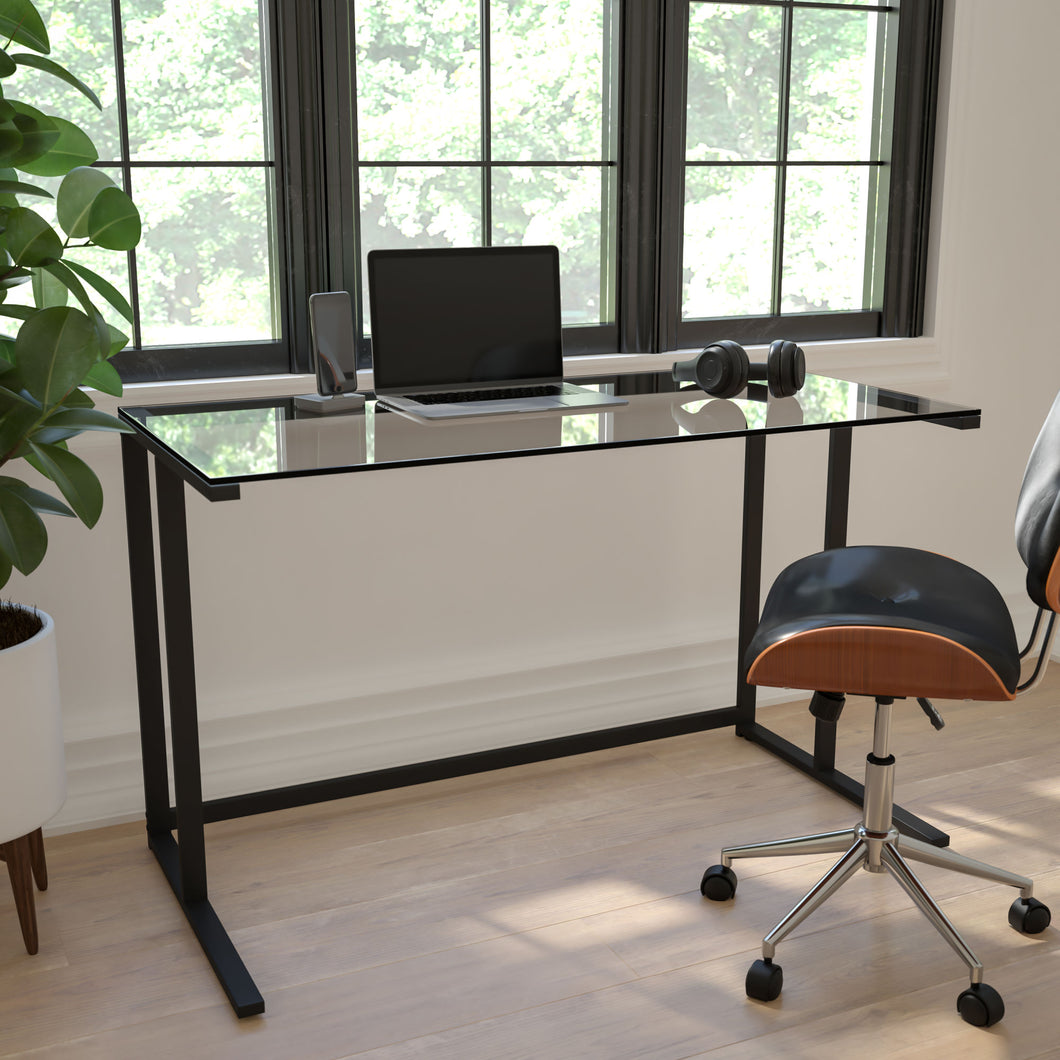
x=898, y=363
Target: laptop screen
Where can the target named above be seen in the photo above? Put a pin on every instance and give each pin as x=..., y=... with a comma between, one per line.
x=464, y=315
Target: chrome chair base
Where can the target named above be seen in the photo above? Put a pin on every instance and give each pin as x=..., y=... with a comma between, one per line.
x=876, y=846
x=876, y=852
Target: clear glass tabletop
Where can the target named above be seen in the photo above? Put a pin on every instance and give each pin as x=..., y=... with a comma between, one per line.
x=216, y=446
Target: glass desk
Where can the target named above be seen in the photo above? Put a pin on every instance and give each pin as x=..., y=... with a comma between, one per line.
x=216, y=447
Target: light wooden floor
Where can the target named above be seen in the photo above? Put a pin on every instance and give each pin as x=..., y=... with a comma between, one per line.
x=553, y=911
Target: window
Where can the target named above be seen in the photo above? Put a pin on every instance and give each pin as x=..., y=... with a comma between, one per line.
x=783, y=158
x=185, y=129
x=791, y=182
x=491, y=123
x=708, y=168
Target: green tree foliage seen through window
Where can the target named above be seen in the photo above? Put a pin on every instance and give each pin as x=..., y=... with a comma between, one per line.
x=775, y=222
x=455, y=151
x=198, y=160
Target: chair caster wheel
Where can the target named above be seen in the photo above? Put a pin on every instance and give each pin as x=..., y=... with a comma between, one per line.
x=718, y=883
x=981, y=1005
x=764, y=981
x=1029, y=916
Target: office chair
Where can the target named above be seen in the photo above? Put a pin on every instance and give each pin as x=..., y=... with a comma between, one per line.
x=895, y=623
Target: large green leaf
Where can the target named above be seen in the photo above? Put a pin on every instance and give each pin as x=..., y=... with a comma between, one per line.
x=60, y=272
x=76, y=480
x=30, y=239
x=48, y=289
x=78, y=399
x=38, y=500
x=51, y=435
x=16, y=422
x=103, y=376
x=73, y=147
x=23, y=537
x=73, y=203
x=86, y=420
x=39, y=134
x=11, y=398
x=104, y=287
x=20, y=21
x=113, y=221
x=7, y=176
x=5, y=569
x=7, y=64
x=118, y=340
x=10, y=140
x=52, y=67
x=18, y=187
x=15, y=278
x=54, y=349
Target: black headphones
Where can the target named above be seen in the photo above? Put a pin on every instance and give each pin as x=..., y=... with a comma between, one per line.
x=723, y=369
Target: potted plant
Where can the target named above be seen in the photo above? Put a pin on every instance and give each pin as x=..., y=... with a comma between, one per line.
x=54, y=342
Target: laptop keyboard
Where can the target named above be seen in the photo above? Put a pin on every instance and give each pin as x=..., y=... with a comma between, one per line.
x=542, y=390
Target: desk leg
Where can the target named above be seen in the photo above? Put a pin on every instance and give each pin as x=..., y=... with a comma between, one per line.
x=180, y=660
x=184, y=863
x=754, y=486
x=837, y=506
x=138, y=526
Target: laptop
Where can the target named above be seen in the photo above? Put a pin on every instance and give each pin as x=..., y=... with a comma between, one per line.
x=470, y=331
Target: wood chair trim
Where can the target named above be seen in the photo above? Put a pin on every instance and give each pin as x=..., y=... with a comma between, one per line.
x=877, y=661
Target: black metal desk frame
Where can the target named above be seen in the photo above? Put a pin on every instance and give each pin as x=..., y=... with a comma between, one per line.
x=184, y=862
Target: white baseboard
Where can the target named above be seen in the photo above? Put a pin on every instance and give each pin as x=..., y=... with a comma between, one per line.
x=419, y=721
x=419, y=718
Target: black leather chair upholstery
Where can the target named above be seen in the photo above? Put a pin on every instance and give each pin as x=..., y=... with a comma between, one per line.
x=836, y=620
x=896, y=623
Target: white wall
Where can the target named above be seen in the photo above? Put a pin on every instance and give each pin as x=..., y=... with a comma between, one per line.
x=301, y=678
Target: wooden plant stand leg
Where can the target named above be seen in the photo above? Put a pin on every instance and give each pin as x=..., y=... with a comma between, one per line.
x=39, y=865
x=25, y=863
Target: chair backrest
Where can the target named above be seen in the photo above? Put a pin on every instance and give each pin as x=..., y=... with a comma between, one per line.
x=1038, y=515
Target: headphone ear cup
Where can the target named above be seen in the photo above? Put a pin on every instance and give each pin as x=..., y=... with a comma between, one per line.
x=725, y=373
x=721, y=369
x=785, y=368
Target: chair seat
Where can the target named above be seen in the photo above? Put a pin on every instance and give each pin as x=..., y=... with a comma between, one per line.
x=882, y=620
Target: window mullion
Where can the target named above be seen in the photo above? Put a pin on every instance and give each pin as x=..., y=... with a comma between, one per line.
x=610, y=137
x=651, y=177
x=121, y=99
x=487, y=123
x=783, y=112
x=340, y=230
x=302, y=159
x=882, y=137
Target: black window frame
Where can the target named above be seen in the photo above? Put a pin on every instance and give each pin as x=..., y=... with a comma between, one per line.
x=313, y=124
x=137, y=363
x=656, y=289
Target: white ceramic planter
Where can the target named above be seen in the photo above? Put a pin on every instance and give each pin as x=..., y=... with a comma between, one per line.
x=32, y=763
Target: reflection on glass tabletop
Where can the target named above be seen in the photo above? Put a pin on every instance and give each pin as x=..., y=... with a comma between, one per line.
x=240, y=441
